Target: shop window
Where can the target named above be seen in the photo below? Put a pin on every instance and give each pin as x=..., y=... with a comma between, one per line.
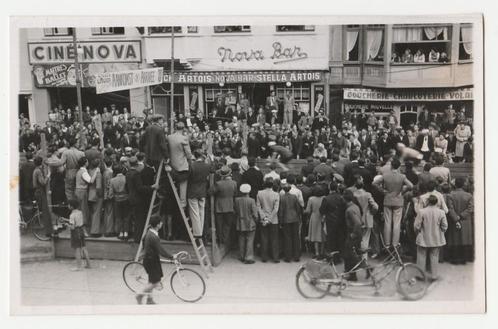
x=107, y=30
x=232, y=28
x=227, y=95
x=300, y=93
x=421, y=44
x=164, y=29
x=58, y=31
x=352, y=43
x=374, y=45
x=161, y=95
x=465, y=48
x=295, y=28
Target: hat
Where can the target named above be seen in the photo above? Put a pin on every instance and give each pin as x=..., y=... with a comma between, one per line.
x=338, y=177
x=225, y=171
x=272, y=143
x=245, y=188
x=133, y=161
x=128, y=149
x=156, y=117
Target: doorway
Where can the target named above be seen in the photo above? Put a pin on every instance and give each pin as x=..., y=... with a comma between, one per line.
x=259, y=94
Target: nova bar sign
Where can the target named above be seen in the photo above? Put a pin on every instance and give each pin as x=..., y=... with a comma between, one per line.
x=92, y=52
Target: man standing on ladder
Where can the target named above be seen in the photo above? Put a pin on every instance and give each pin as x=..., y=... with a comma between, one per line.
x=154, y=141
x=180, y=158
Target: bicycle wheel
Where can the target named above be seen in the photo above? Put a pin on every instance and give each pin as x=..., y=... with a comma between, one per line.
x=188, y=285
x=309, y=287
x=134, y=276
x=411, y=281
x=37, y=228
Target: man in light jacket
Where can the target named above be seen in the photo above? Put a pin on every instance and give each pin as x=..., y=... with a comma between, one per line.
x=268, y=202
x=430, y=224
x=369, y=208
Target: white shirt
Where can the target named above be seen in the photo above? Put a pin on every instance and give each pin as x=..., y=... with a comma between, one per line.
x=273, y=174
x=425, y=144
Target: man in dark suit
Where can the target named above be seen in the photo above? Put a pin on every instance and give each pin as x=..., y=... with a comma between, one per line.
x=333, y=208
x=26, y=189
x=350, y=169
x=137, y=196
x=425, y=144
x=197, y=191
x=272, y=102
x=154, y=141
x=425, y=118
x=289, y=217
x=254, y=177
x=152, y=251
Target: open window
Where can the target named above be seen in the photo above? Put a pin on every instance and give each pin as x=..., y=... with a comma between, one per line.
x=421, y=44
x=232, y=28
x=295, y=28
x=465, y=47
x=108, y=30
x=58, y=31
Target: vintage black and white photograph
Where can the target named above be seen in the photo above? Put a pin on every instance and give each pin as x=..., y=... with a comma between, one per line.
x=172, y=164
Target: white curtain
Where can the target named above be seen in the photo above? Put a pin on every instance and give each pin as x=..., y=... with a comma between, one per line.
x=374, y=42
x=407, y=34
x=352, y=37
x=433, y=32
x=467, y=39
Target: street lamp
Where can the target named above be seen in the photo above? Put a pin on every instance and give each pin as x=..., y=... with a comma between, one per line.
x=77, y=53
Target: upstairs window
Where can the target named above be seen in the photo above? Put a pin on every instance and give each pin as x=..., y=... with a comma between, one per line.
x=352, y=43
x=107, y=30
x=421, y=44
x=58, y=31
x=374, y=45
x=465, y=47
x=192, y=29
x=164, y=29
x=295, y=28
x=232, y=28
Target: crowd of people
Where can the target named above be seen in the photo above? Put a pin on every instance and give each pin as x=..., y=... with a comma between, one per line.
x=352, y=195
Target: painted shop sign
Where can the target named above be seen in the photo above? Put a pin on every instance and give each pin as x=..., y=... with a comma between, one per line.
x=244, y=77
x=279, y=54
x=408, y=95
x=123, y=80
x=61, y=75
x=93, y=52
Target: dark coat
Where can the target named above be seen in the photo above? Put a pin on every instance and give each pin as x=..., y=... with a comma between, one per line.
x=155, y=145
x=289, y=210
x=198, y=180
x=26, y=189
x=461, y=205
x=137, y=190
x=254, y=178
x=333, y=208
x=420, y=141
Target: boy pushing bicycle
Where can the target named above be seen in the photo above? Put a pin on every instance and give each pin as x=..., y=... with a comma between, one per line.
x=152, y=251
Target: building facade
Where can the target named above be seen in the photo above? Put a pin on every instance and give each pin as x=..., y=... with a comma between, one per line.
x=335, y=68
x=400, y=68
x=233, y=65
x=48, y=78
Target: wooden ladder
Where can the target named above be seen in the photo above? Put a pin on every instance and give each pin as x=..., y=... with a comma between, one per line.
x=155, y=207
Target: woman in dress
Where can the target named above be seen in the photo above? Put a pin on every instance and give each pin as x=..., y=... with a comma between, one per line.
x=316, y=228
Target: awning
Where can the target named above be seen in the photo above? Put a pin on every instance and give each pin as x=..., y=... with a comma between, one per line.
x=244, y=77
x=424, y=95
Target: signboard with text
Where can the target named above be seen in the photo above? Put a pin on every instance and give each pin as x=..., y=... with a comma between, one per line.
x=250, y=53
x=61, y=75
x=408, y=95
x=113, y=81
x=107, y=51
x=243, y=77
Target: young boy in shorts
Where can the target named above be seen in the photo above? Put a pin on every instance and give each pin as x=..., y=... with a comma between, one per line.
x=77, y=235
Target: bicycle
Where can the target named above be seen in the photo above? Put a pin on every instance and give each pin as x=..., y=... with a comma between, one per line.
x=316, y=279
x=187, y=284
x=33, y=222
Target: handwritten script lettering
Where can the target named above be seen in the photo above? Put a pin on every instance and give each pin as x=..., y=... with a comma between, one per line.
x=280, y=54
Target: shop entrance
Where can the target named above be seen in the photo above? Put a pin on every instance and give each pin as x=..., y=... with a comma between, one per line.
x=66, y=97
x=24, y=106
x=259, y=94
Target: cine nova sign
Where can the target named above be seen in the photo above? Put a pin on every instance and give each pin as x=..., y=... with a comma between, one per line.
x=92, y=52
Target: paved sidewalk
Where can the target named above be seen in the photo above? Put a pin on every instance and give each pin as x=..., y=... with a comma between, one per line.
x=52, y=283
